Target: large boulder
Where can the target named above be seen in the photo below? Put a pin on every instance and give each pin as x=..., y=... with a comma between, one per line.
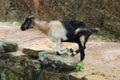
x=50, y=61
x=6, y=46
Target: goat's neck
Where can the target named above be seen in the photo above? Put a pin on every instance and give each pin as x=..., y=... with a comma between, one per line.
x=42, y=26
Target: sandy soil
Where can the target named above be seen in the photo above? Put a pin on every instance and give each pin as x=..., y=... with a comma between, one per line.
x=101, y=56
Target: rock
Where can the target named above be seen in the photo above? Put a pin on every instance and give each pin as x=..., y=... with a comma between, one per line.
x=95, y=77
x=1, y=49
x=50, y=61
x=6, y=46
x=16, y=56
x=85, y=76
x=50, y=75
x=61, y=63
x=31, y=52
x=13, y=56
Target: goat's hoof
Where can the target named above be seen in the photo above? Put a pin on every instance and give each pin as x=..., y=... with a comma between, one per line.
x=71, y=50
x=72, y=55
x=58, y=53
x=67, y=49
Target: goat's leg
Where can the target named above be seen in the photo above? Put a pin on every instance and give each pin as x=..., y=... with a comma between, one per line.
x=81, y=43
x=80, y=50
x=58, y=48
x=86, y=39
x=82, y=56
x=82, y=46
x=65, y=50
x=73, y=53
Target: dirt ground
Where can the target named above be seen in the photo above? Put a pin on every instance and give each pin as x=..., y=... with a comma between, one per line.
x=101, y=56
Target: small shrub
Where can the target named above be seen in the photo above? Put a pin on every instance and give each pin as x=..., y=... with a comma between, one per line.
x=38, y=67
x=80, y=66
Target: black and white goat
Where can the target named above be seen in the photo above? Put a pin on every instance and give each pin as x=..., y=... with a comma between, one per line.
x=62, y=31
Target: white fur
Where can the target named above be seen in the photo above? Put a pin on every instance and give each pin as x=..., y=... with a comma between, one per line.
x=53, y=29
x=80, y=29
x=56, y=31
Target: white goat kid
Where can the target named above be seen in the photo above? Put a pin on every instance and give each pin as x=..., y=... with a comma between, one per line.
x=62, y=31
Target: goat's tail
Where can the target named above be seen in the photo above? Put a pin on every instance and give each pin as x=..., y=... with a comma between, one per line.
x=95, y=29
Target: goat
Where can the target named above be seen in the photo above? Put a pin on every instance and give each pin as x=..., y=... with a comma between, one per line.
x=63, y=31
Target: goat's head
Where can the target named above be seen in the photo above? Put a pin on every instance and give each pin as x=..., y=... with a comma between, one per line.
x=26, y=24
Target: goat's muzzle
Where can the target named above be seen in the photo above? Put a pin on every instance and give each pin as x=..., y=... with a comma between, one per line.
x=23, y=28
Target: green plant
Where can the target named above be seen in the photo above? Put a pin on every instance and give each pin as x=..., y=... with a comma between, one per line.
x=8, y=74
x=38, y=67
x=80, y=66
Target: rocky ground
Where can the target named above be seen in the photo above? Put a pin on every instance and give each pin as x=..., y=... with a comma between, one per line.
x=101, y=56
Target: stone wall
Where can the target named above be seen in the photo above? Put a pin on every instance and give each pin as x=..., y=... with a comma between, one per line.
x=38, y=65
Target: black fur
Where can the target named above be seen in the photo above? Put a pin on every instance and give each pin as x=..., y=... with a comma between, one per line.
x=27, y=22
x=85, y=31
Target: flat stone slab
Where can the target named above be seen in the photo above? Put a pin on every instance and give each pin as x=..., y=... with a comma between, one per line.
x=86, y=76
x=31, y=52
x=50, y=61
x=16, y=56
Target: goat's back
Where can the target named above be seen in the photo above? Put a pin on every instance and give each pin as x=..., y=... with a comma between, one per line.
x=72, y=25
